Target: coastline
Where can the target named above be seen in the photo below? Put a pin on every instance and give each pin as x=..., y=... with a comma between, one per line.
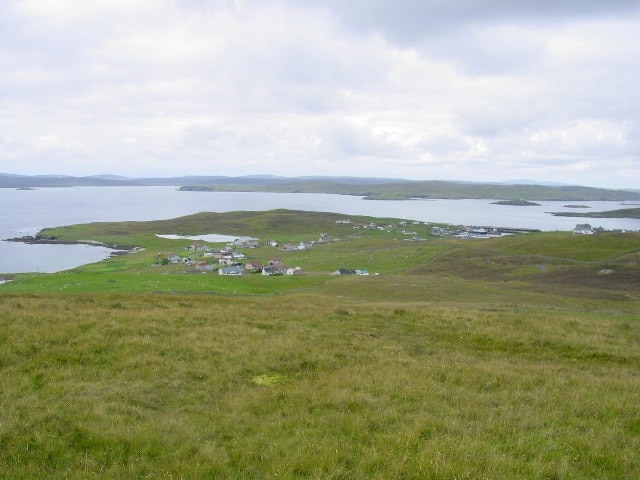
x=119, y=249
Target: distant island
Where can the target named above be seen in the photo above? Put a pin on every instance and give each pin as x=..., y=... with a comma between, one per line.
x=431, y=189
x=621, y=213
x=517, y=203
x=366, y=187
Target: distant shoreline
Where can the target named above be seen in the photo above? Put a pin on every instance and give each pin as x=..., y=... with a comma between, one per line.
x=41, y=240
x=621, y=213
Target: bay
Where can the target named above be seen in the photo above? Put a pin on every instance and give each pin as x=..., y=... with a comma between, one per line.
x=25, y=212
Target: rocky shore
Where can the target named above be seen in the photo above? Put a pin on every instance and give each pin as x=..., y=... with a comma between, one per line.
x=43, y=239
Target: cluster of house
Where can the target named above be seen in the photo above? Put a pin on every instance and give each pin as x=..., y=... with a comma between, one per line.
x=382, y=228
x=469, y=232
x=273, y=267
x=344, y=271
x=481, y=232
x=584, y=229
x=292, y=247
x=478, y=232
x=228, y=261
x=491, y=232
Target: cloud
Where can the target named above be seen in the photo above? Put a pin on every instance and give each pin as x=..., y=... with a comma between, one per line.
x=488, y=90
x=411, y=21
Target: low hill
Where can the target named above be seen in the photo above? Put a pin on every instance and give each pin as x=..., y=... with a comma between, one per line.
x=433, y=189
x=621, y=213
x=371, y=188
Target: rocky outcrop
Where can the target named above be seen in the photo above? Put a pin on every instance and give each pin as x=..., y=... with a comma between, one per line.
x=44, y=239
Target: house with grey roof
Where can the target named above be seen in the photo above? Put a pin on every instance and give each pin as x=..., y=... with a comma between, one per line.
x=234, y=270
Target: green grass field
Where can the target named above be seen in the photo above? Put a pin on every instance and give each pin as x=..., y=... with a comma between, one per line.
x=515, y=357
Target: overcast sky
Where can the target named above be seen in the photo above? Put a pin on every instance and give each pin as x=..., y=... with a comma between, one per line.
x=481, y=90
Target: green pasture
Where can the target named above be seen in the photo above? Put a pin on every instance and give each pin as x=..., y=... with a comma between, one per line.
x=111, y=385
x=280, y=225
x=587, y=248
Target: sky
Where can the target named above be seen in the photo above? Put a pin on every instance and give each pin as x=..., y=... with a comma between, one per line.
x=473, y=90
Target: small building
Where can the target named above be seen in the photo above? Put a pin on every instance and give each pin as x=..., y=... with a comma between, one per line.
x=583, y=229
x=253, y=266
x=174, y=259
x=275, y=262
x=204, y=267
x=235, y=270
x=271, y=271
x=344, y=271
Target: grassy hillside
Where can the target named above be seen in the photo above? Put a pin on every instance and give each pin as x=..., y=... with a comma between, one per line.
x=124, y=386
x=514, y=357
x=277, y=224
x=372, y=188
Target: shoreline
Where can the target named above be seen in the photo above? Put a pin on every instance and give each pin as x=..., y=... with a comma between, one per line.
x=41, y=240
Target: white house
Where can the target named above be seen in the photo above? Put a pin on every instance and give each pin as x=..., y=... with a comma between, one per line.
x=583, y=229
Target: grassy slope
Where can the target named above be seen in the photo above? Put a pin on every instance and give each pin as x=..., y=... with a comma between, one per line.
x=124, y=386
x=513, y=357
x=276, y=224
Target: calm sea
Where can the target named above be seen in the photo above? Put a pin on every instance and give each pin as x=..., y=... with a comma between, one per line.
x=25, y=212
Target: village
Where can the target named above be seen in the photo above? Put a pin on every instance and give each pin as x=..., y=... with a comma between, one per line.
x=231, y=259
x=228, y=260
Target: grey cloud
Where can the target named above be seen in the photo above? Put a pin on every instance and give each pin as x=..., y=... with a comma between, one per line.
x=479, y=36
x=410, y=21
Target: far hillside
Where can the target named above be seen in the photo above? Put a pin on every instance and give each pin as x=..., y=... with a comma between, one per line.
x=370, y=188
x=404, y=190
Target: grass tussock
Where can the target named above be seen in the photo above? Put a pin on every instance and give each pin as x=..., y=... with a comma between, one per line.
x=156, y=386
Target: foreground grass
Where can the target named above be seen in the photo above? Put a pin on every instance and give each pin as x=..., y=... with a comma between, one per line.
x=157, y=386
